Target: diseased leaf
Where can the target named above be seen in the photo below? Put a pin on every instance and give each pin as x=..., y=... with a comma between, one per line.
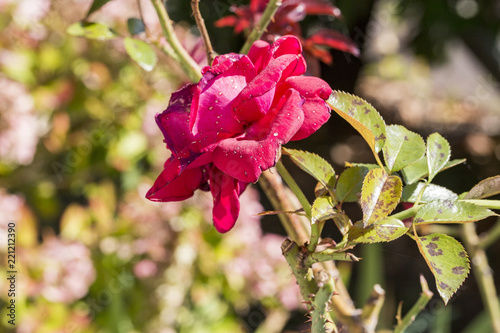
x=141, y=52
x=91, y=30
x=135, y=26
x=438, y=154
x=419, y=169
x=379, y=195
x=447, y=211
x=362, y=116
x=447, y=260
x=432, y=192
x=485, y=188
x=96, y=5
x=314, y=165
x=323, y=209
x=385, y=230
x=350, y=183
x=402, y=148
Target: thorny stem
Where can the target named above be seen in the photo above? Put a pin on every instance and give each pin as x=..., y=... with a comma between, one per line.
x=321, y=320
x=483, y=273
x=422, y=301
x=187, y=63
x=259, y=29
x=200, y=22
x=328, y=255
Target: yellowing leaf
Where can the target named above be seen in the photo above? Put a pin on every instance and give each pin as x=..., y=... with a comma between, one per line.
x=385, y=230
x=362, y=116
x=379, y=196
x=447, y=260
x=447, y=211
x=485, y=188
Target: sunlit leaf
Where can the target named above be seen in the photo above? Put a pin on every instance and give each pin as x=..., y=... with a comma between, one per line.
x=402, y=147
x=447, y=260
x=276, y=212
x=314, y=165
x=350, y=183
x=438, y=153
x=485, y=188
x=141, y=52
x=362, y=116
x=135, y=26
x=91, y=30
x=419, y=169
x=432, y=192
x=385, y=230
x=447, y=211
x=323, y=209
x=379, y=195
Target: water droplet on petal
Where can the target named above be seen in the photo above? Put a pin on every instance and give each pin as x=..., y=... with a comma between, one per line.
x=276, y=133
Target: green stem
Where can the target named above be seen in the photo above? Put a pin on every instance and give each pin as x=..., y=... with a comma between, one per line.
x=372, y=307
x=493, y=204
x=321, y=320
x=259, y=29
x=187, y=63
x=294, y=257
x=328, y=255
x=407, y=213
x=422, y=301
x=294, y=187
x=491, y=236
x=483, y=275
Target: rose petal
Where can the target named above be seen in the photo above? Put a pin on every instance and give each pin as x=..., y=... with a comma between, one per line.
x=211, y=110
x=255, y=100
x=225, y=191
x=174, y=185
x=316, y=111
x=174, y=121
x=289, y=45
x=246, y=157
x=259, y=54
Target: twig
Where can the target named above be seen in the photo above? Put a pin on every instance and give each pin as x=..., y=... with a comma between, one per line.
x=483, y=274
x=321, y=320
x=200, y=22
x=372, y=307
x=259, y=29
x=422, y=301
x=490, y=237
x=328, y=255
x=187, y=63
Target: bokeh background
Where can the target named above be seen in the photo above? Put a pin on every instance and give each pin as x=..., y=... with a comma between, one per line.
x=79, y=148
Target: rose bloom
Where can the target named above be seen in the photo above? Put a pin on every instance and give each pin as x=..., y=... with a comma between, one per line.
x=229, y=127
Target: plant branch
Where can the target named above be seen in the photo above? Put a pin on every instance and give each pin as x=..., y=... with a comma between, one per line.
x=490, y=237
x=372, y=307
x=200, y=22
x=327, y=255
x=483, y=274
x=259, y=29
x=422, y=301
x=321, y=320
x=187, y=63
x=493, y=204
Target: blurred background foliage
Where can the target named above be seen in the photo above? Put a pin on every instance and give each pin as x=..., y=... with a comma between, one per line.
x=79, y=149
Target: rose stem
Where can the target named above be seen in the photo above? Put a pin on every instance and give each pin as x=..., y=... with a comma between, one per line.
x=187, y=63
x=200, y=22
x=259, y=29
x=482, y=272
x=422, y=301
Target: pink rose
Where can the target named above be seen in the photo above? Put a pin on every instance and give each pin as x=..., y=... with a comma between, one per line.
x=229, y=127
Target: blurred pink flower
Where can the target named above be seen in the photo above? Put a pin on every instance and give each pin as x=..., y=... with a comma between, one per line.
x=67, y=270
x=20, y=127
x=227, y=129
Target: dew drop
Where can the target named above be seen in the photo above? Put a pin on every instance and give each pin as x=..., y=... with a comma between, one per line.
x=276, y=133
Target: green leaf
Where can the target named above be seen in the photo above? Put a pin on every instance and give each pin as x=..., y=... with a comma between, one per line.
x=379, y=195
x=438, y=154
x=446, y=211
x=385, y=230
x=91, y=30
x=485, y=188
x=141, y=52
x=402, y=147
x=314, y=165
x=350, y=183
x=447, y=260
x=96, y=5
x=362, y=116
x=432, y=192
x=135, y=26
x=419, y=169
x=323, y=209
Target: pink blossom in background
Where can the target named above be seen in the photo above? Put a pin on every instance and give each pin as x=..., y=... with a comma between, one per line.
x=228, y=128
